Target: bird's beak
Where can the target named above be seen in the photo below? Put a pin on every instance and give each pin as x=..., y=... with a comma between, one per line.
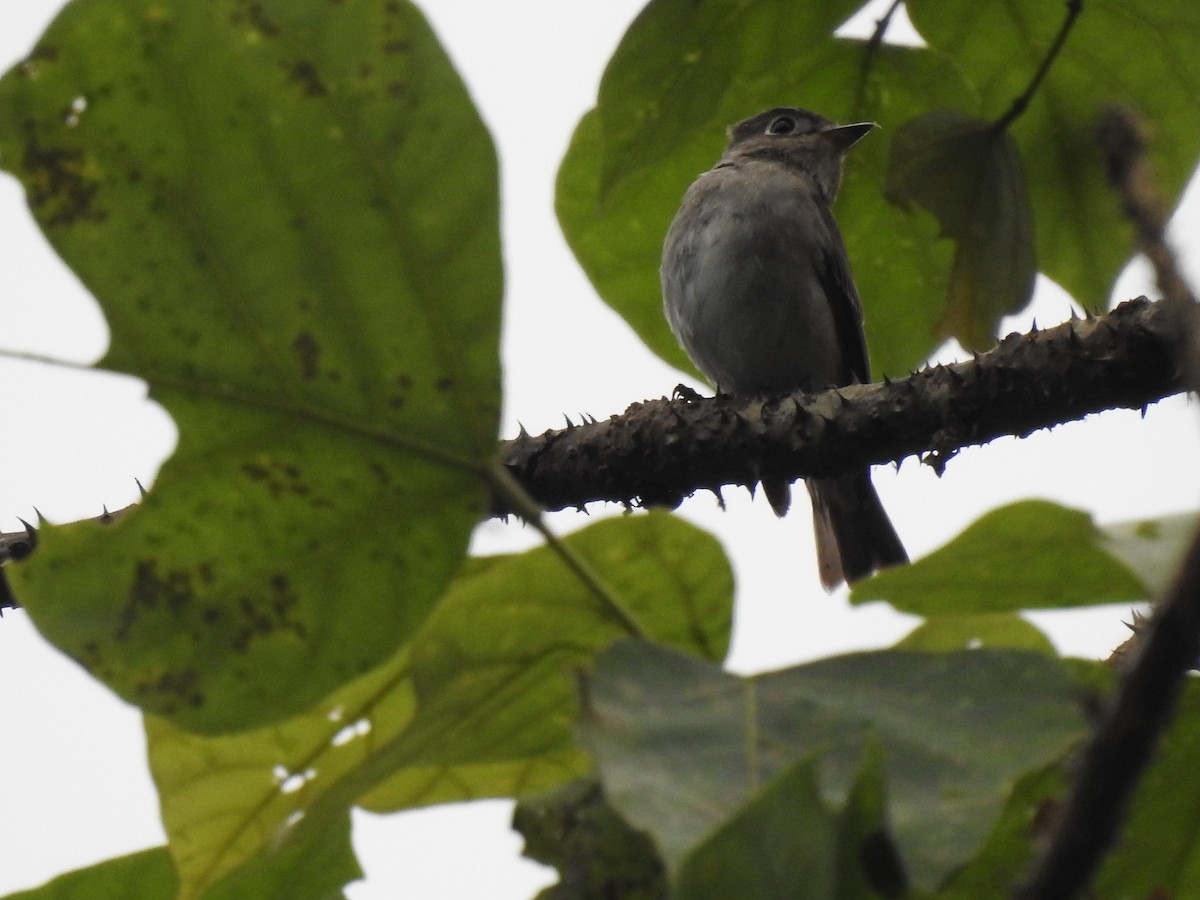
x=843, y=137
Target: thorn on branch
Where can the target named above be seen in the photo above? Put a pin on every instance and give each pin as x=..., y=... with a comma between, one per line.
x=686, y=394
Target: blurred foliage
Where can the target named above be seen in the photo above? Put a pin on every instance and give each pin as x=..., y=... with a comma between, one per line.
x=247, y=188
x=1011, y=559
x=683, y=747
x=481, y=703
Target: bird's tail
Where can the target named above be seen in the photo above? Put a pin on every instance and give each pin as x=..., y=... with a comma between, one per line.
x=854, y=535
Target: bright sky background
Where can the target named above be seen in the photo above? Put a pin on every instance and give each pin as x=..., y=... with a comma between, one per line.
x=73, y=784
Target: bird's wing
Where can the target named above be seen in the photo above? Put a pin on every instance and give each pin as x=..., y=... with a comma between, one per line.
x=843, y=299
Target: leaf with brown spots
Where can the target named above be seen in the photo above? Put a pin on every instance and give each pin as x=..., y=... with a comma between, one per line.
x=303, y=263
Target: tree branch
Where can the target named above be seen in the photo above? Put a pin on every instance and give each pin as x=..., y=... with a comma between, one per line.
x=660, y=451
x=1123, y=141
x=1123, y=742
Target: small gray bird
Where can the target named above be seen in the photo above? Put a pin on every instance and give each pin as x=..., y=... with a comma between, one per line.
x=757, y=288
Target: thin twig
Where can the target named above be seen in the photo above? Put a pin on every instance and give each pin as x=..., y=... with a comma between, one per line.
x=1074, y=8
x=1123, y=743
x=505, y=485
x=870, y=51
x=660, y=451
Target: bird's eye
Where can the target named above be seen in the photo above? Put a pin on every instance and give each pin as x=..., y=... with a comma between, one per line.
x=782, y=125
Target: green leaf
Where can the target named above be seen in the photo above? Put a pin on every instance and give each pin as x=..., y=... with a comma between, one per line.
x=481, y=704
x=968, y=173
x=316, y=869
x=288, y=211
x=682, y=746
x=1151, y=548
x=1082, y=238
x=681, y=75
x=787, y=836
x=147, y=875
x=1158, y=853
x=596, y=853
x=1028, y=555
x=1009, y=850
x=521, y=656
x=949, y=633
x=784, y=837
x=315, y=865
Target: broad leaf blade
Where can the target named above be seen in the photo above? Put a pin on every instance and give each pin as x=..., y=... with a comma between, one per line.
x=595, y=851
x=314, y=870
x=147, y=875
x=968, y=174
x=1028, y=555
x=784, y=837
x=481, y=704
x=1082, y=237
x=289, y=213
x=949, y=633
x=682, y=746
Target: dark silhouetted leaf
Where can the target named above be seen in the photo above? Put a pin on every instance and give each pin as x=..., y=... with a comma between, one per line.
x=967, y=172
x=597, y=854
x=1082, y=238
x=682, y=747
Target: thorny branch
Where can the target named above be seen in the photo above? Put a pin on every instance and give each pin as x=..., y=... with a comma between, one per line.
x=1124, y=742
x=1165, y=647
x=660, y=451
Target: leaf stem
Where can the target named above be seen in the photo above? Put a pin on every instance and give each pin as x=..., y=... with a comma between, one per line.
x=523, y=505
x=1074, y=8
x=870, y=52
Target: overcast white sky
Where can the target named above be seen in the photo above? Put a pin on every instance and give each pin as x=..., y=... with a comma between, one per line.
x=73, y=785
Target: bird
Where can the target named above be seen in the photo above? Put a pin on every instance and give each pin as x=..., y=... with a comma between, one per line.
x=757, y=289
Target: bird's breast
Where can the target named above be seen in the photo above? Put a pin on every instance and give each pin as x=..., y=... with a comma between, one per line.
x=744, y=283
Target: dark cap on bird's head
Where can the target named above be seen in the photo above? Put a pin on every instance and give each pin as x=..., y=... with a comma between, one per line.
x=790, y=121
x=797, y=137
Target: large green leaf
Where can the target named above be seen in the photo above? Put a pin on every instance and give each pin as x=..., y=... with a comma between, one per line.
x=784, y=837
x=1028, y=555
x=1012, y=845
x=682, y=746
x=968, y=173
x=146, y=875
x=1081, y=238
x=787, y=835
x=682, y=74
x=480, y=705
x=316, y=869
x=288, y=211
x=946, y=633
